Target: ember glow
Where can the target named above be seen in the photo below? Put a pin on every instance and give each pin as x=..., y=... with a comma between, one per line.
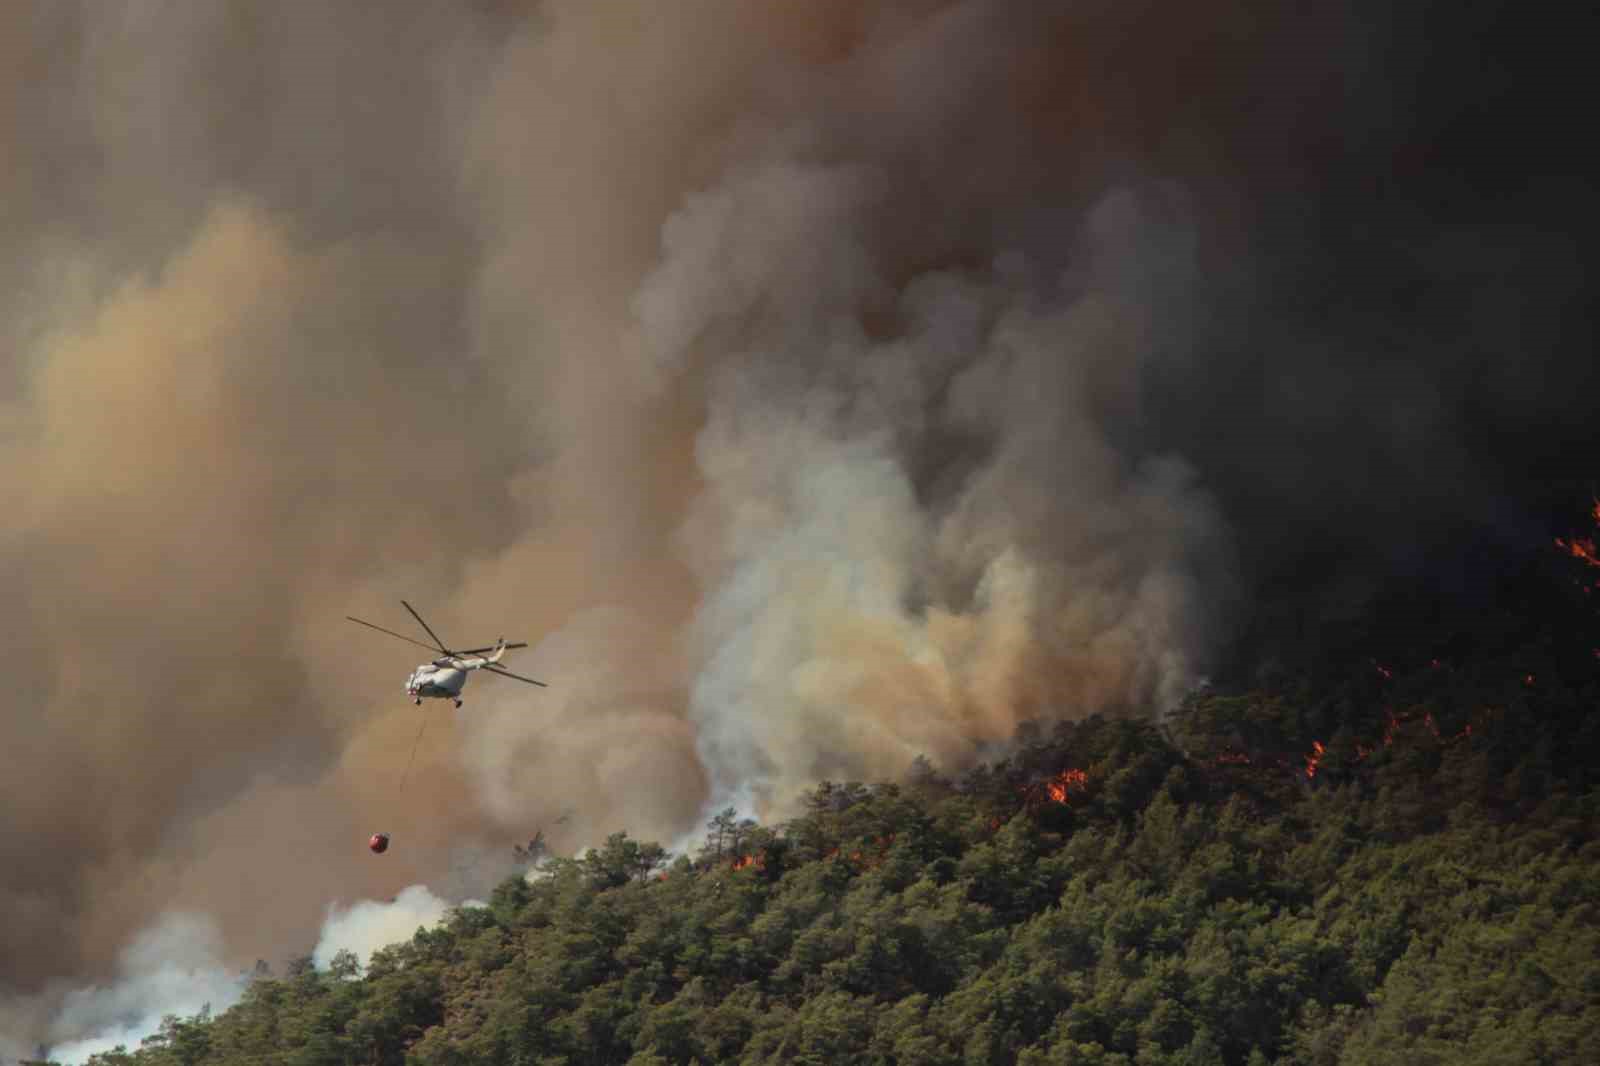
x=1580, y=548
x=1583, y=548
x=1063, y=784
x=1392, y=725
x=1318, y=750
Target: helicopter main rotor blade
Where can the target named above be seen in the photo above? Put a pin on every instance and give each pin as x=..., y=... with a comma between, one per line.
x=493, y=669
x=391, y=632
x=475, y=651
x=437, y=642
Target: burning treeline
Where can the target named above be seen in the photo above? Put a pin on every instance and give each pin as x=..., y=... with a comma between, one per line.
x=1242, y=740
x=743, y=846
x=1089, y=768
x=1413, y=724
x=1403, y=718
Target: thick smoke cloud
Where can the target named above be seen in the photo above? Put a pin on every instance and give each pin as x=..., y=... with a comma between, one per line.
x=172, y=968
x=816, y=386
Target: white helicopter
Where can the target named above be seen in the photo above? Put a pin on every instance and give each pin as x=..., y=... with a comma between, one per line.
x=446, y=676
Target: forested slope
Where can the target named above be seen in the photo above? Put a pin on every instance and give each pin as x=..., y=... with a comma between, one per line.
x=1372, y=862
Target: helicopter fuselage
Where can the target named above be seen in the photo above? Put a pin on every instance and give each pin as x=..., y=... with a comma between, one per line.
x=436, y=681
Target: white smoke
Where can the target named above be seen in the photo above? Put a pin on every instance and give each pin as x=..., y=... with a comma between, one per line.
x=857, y=610
x=171, y=968
x=368, y=925
x=174, y=968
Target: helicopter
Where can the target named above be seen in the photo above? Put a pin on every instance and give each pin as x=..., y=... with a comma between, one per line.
x=446, y=676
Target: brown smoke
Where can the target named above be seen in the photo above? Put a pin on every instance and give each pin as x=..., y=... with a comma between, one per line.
x=813, y=385
x=309, y=313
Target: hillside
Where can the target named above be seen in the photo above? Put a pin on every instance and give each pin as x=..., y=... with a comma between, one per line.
x=1382, y=860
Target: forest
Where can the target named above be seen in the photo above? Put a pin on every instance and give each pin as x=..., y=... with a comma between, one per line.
x=1364, y=856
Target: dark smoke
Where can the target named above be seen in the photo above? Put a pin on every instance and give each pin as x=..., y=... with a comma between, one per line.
x=815, y=385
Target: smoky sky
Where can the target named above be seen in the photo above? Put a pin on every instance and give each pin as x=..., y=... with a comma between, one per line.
x=813, y=386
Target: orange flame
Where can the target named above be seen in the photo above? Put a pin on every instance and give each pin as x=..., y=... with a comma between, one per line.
x=1315, y=758
x=1583, y=548
x=742, y=862
x=1064, y=783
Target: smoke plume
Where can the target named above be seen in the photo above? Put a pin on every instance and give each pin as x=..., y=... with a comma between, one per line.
x=367, y=925
x=812, y=386
x=171, y=969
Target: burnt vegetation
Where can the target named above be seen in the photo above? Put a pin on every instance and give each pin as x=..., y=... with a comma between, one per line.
x=1387, y=858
